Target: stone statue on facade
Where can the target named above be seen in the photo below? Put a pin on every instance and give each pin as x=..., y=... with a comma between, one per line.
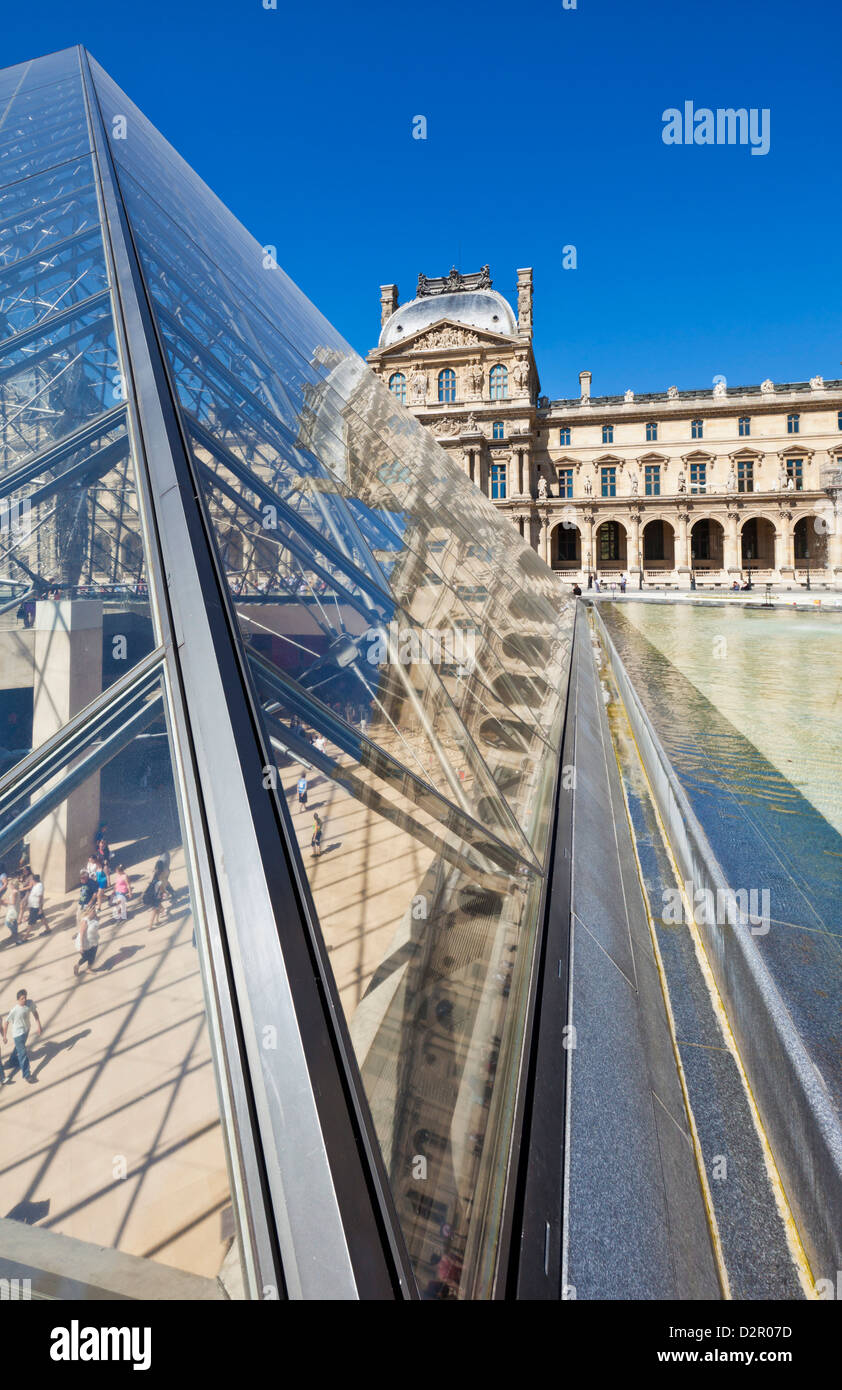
x=629, y=396
x=475, y=378
x=731, y=480
x=672, y=393
x=588, y=487
x=543, y=492
x=634, y=484
x=418, y=386
x=520, y=373
x=816, y=383
x=767, y=386
x=682, y=482
x=781, y=482
x=719, y=390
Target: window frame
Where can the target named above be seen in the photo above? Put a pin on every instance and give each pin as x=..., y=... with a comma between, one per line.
x=446, y=383
x=401, y=394
x=498, y=382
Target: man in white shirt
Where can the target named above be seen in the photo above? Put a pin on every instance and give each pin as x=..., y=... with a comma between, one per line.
x=35, y=904
x=18, y=1021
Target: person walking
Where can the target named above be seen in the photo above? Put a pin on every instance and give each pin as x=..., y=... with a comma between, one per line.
x=35, y=905
x=122, y=892
x=302, y=790
x=87, y=893
x=87, y=940
x=157, y=895
x=316, y=837
x=11, y=915
x=101, y=877
x=18, y=1021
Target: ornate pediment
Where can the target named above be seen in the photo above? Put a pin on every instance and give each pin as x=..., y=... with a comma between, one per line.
x=442, y=335
x=451, y=335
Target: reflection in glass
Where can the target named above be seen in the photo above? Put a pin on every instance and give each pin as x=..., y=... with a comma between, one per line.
x=417, y=786
x=115, y=1141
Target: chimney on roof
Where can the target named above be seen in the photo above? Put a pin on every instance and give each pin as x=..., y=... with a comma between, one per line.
x=585, y=385
x=388, y=302
x=524, y=301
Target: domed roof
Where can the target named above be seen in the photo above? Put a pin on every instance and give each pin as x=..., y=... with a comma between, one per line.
x=483, y=309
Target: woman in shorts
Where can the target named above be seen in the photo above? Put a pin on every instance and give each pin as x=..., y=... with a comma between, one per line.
x=88, y=939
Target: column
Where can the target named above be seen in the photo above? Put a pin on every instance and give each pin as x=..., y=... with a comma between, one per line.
x=732, y=556
x=544, y=549
x=589, y=558
x=780, y=544
x=520, y=472
x=834, y=535
x=682, y=559
x=635, y=559
x=68, y=675
x=789, y=544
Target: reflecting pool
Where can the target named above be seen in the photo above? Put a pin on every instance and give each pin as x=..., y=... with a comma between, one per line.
x=748, y=706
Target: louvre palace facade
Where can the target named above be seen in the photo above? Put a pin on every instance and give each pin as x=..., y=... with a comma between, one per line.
x=668, y=487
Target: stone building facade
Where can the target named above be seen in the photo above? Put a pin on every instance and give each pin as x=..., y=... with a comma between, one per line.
x=671, y=487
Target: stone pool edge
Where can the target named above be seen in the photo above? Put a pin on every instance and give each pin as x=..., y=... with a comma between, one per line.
x=801, y=1122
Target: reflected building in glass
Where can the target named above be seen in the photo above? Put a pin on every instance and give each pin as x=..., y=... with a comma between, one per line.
x=281, y=706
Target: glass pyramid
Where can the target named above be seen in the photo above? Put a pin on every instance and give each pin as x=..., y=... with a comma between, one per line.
x=226, y=544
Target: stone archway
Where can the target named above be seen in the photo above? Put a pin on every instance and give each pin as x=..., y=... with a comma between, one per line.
x=658, y=545
x=611, y=544
x=707, y=544
x=809, y=542
x=757, y=543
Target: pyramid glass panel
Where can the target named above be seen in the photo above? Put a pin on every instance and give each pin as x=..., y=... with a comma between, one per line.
x=114, y=1146
x=69, y=518
x=206, y=490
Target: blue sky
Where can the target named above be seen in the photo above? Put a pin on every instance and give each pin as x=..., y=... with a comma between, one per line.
x=543, y=130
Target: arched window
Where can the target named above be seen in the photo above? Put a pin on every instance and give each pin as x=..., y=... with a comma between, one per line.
x=792, y=424
x=447, y=385
x=498, y=430
x=498, y=382
x=397, y=386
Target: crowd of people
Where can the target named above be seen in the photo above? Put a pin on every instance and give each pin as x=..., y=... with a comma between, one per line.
x=104, y=886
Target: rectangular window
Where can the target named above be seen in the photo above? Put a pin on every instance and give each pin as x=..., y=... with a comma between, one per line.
x=745, y=475
x=608, y=434
x=498, y=481
x=745, y=426
x=651, y=432
x=564, y=435
x=565, y=482
x=795, y=471
x=698, y=477
x=792, y=424
x=609, y=481
x=697, y=428
x=652, y=480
